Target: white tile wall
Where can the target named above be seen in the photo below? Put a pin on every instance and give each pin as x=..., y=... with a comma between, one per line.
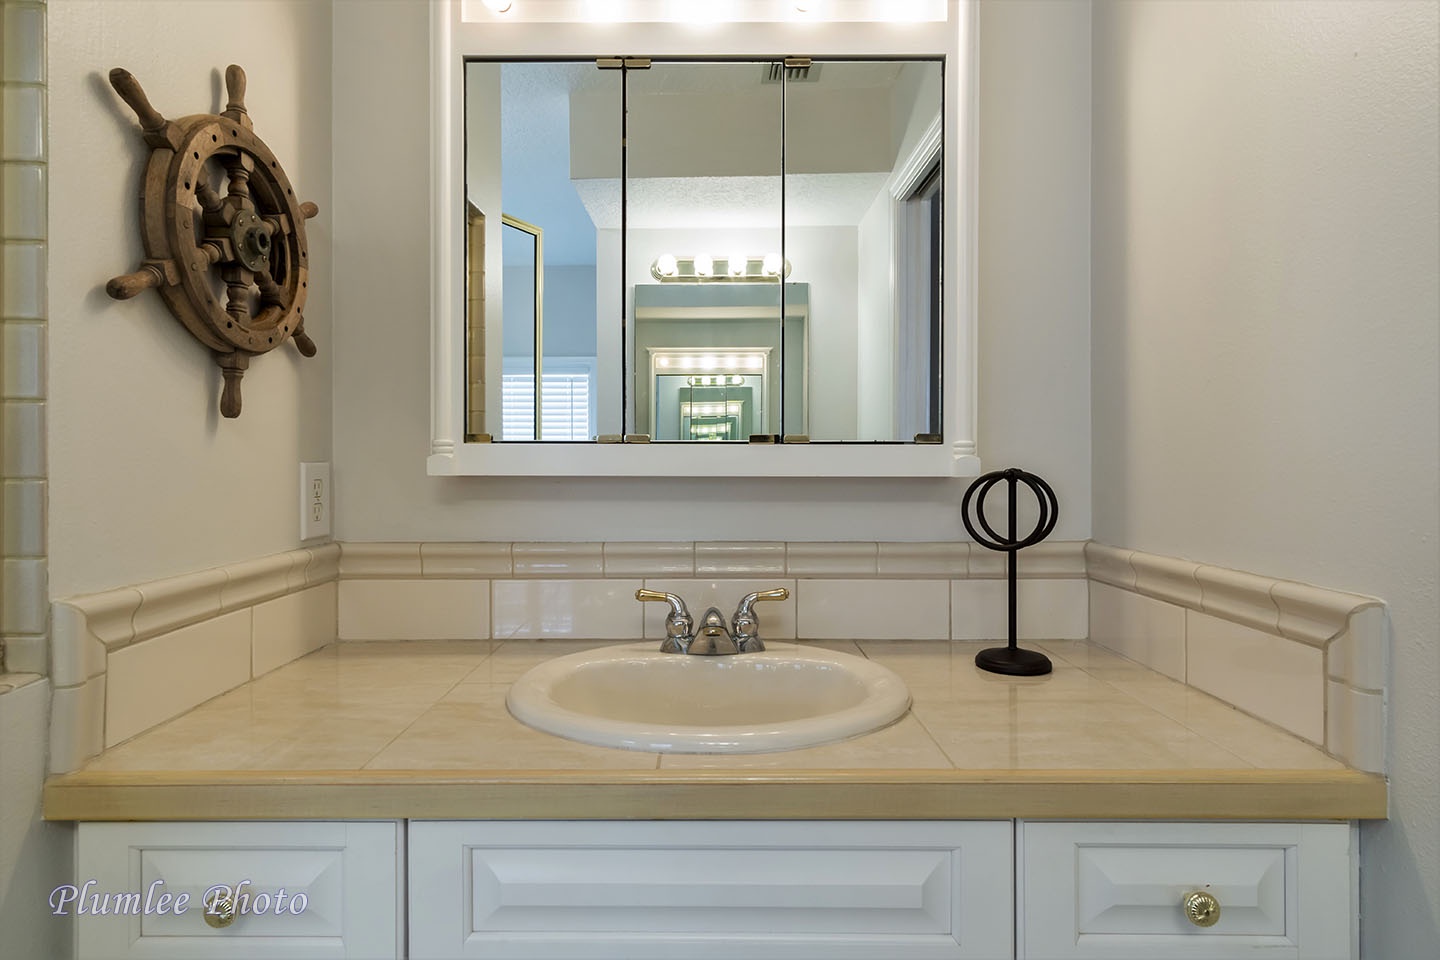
x=1271, y=677
x=24, y=356
x=589, y=609
x=1045, y=610
x=24, y=520
x=873, y=610
x=1358, y=656
x=152, y=681
x=1147, y=631
x=414, y=610
x=292, y=626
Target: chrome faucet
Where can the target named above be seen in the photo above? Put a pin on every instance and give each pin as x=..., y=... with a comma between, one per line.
x=714, y=638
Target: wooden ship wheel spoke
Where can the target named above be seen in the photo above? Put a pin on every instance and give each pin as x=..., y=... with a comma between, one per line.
x=223, y=232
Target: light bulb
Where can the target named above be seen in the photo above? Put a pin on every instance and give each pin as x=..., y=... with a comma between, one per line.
x=666, y=265
x=772, y=264
x=704, y=265
x=500, y=6
x=737, y=263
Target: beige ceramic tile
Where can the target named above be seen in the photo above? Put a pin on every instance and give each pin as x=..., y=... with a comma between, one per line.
x=872, y=609
x=24, y=439
x=777, y=617
x=483, y=736
x=24, y=37
x=1250, y=738
x=979, y=609
x=1109, y=564
x=572, y=560
x=24, y=519
x=831, y=559
x=739, y=559
x=902, y=745
x=465, y=560
x=1148, y=631
x=513, y=658
x=1280, y=680
x=22, y=125
x=77, y=724
x=1052, y=609
x=292, y=626
x=644, y=560
x=76, y=654
x=24, y=213
x=155, y=680
x=1238, y=596
x=25, y=608
x=255, y=581
x=597, y=609
x=378, y=560
x=23, y=371
x=1359, y=656
x=414, y=610
x=1356, y=726
x=943, y=560
x=174, y=602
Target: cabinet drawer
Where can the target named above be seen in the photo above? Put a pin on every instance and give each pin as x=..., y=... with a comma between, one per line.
x=1118, y=890
x=645, y=891
x=304, y=890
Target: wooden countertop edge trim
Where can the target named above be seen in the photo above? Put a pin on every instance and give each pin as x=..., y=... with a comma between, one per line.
x=714, y=795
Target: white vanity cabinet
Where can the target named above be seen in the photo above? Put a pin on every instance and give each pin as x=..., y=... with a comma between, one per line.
x=727, y=890
x=712, y=890
x=342, y=883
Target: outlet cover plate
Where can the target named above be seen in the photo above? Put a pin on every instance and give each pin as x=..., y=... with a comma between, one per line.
x=314, y=500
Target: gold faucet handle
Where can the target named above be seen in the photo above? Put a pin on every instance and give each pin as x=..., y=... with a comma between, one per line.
x=747, y=602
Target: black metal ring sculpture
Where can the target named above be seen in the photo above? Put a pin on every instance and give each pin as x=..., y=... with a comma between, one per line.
x=1010, y=659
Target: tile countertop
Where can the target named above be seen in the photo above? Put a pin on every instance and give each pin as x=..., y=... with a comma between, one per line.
x=420, y=730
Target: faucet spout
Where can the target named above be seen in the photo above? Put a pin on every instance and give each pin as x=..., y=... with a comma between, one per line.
x=713, y=638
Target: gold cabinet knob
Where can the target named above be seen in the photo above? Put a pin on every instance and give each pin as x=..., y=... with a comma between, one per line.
x=219, y=909
x=1201, y=908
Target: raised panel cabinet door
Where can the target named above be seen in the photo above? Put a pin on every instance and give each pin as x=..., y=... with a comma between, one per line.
x=300, y=891
x=712, y=891
x=1191, y=891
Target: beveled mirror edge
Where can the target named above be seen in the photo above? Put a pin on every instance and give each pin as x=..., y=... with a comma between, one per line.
x=452, y=40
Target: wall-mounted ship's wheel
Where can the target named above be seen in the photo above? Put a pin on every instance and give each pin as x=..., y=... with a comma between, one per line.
x=224, y=233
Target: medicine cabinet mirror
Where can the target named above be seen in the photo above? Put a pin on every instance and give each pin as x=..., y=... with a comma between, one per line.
x=704, y=251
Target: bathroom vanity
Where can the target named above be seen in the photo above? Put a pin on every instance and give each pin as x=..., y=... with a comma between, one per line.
x=1066, y=816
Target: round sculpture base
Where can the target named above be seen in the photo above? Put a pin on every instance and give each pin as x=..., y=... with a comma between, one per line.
x=1013, y=661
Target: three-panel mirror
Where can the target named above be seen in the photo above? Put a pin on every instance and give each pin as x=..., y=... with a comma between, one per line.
x=703, y=251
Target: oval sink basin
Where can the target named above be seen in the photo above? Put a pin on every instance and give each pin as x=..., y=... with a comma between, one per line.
x=634, y=697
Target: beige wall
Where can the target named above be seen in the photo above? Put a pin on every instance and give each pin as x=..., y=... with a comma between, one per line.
x=1034, y=318
x=146, y=479
x=1265, y=337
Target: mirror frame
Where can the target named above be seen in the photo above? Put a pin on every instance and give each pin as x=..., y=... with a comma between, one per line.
x=499, y=36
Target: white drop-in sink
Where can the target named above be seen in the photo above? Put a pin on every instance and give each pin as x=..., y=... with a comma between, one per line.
x=634, y=697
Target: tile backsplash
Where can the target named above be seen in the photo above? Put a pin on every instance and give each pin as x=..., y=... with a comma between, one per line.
x=23, y=311
x=1308, y=660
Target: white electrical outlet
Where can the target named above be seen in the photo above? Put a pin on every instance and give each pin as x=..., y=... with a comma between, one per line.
x=314, y=500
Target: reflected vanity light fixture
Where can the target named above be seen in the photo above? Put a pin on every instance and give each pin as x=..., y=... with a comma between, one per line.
x=500, y=6
x=713, y=361
x=704, y=268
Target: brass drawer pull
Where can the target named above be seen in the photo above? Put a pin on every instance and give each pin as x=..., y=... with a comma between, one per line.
x=219, y=909
x=1201, y=908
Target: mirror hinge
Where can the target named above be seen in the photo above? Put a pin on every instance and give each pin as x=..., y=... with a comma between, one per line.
x=794, y=63
x=929, y=438
x=795, y=438
x=637, y=63
x=637, y=438
x=629, y=63
x=764, y=438
x=610, y=438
